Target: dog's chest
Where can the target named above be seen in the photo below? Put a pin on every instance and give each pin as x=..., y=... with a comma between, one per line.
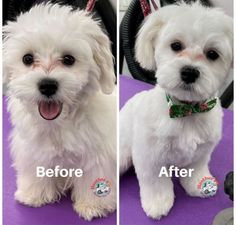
x=67, y=159
x=70, y=146
x=186, y=142
x=184, y=149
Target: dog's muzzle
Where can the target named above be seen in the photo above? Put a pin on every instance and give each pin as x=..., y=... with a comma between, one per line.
x=49, y=109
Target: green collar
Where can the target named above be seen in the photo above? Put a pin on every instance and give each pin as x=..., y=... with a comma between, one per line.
x=183, y=109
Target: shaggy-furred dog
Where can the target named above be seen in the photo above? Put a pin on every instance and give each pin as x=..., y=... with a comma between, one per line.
x=59, y=71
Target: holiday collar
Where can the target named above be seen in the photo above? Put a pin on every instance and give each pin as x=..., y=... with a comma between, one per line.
x=179, y=109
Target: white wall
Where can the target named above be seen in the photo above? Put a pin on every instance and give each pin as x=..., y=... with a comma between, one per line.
x=114, y=4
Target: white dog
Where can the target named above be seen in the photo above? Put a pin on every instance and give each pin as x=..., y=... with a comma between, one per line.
x=191, y=47
x=59, y=70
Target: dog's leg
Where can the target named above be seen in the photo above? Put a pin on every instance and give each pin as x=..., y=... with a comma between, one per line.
x=35, y=191
x=201, y=170
x=86, y=203
x=157, y=194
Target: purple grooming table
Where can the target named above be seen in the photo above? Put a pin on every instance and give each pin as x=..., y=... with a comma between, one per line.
x=186, y=210
x=14, y=213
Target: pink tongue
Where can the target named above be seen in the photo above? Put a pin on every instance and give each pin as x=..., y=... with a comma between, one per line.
x=50, y=110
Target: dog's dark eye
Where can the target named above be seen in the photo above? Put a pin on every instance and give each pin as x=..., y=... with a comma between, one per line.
x=212, y=55
x=68, y=60
x=28, y=59
x=176, y=46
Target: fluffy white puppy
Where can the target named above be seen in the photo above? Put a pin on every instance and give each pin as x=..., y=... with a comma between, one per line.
x=59, y=70
x=191, y=47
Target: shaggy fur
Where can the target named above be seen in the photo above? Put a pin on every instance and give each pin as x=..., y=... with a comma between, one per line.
x=149, y=138
x=84, y=135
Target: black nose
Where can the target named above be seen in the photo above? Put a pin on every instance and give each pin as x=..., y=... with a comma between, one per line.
x=189, y=74
x=48, y=87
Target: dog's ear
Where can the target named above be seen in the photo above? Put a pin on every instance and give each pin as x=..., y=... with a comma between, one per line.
x=102, y=56
x=104, y=60
x=7, y=31
x=5, y=74
x=5, y=67
x=144, y=46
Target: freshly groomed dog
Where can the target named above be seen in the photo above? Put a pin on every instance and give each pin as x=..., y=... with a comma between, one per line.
x=179, y=122
x=59, y=71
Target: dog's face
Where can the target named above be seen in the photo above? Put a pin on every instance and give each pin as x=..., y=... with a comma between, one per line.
x=54, y=58
x=190, y=46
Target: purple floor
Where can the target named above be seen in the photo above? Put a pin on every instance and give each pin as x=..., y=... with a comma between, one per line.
x=14, y=213
x=186, y=210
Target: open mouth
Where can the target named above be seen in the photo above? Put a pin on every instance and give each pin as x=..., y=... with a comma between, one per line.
x=49, y=110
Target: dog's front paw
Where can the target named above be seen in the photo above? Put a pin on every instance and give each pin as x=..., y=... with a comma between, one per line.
x=34, y=199
x=159, y=205
x=200, y=185
x=28, y=199
x=88, y=210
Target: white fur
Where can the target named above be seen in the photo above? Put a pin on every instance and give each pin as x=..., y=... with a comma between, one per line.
x=149, y=138
x=84, y=135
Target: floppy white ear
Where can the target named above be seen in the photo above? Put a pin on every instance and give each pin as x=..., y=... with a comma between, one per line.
x=7, y=31
x=144, y=46
x=104, y=60
x=5, y=74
